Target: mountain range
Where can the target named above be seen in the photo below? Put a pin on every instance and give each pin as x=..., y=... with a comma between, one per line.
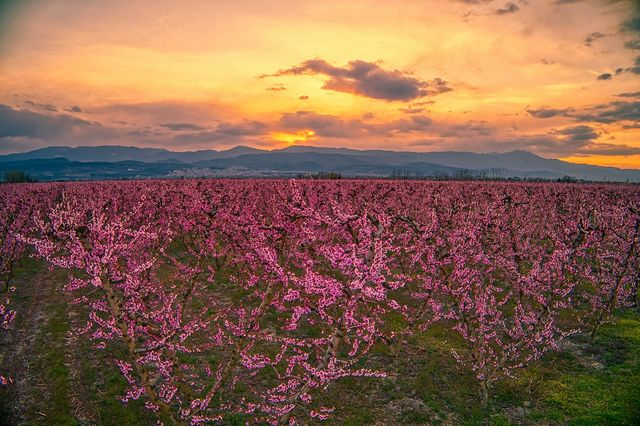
x=119, y=162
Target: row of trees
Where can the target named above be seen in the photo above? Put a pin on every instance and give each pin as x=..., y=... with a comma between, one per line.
x=253, y=296
x=17, y=176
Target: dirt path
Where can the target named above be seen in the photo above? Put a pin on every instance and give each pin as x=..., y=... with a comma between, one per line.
x=42, y=356
x=19, y=399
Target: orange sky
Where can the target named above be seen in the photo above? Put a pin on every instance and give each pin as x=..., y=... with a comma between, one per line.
x=556, y=77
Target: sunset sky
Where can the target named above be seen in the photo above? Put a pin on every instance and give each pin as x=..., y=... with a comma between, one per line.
x=560, y=78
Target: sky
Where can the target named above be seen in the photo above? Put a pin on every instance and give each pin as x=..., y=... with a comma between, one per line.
x=560, y=78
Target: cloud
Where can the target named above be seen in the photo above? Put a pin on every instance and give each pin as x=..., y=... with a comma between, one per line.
x=179, y=127
x=225, y=133
x=636, y=68
x=151, y=113
x=632, y=44
x=322, y=124
x=605, y=76
x=24, y=129
x=243, y=128
x=612, y=112
x=46, y=107
x=629, y=95
x=578, y=140
x=632, y=24
x=469, y=129
x=567, y=1
x=367, y=79
x=579, y=133
x=331, y=126
x=548, y=112
x=416, y=123
x=507, y=8
x=411, y=110
x=276, y=88
x=609, y=149
x=74, y=108
x=26, y=123
x=588, y=41
x=303, y=97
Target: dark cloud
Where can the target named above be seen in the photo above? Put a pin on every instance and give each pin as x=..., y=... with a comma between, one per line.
x=632, y=24
x=629, y=95
x=24, y=129
x=145, y=133
x=609, y=149
x=367, y=79
x=423, y=103
x=612, y=112
x=507, y=8
x=579, y=133
x=74, y=108
x=548, y=112
x=590, y=38
x=179, y=127
x=276, y=88
x=322, y=124
x=26, y=123
x=225, y=133
x=469, y=129
x=332, y=126
x=46, y=107
x=567, y=1
x=243, y=128
x=411, y=110
x=303, y=97
x=417, y=123
x=632, y=44
x=161, y=112
x=636, y=68
x=578, y=140
x=196, y=138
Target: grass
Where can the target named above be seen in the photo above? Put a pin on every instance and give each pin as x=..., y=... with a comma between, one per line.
x=580, y=385
x=50, y=361
x=609, y=394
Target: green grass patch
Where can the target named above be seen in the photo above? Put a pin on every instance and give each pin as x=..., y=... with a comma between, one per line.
x=608, y=392
x=50, y=362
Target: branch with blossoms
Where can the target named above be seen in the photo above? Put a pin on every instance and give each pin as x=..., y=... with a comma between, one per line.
x=612, y=265
x=500, y=282
x=17, y=202
x=113, y=264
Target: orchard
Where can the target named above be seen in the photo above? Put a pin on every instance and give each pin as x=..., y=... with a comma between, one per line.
x=255, y=300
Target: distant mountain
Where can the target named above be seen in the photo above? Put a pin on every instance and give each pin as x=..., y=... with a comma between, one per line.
x=317, y=161
x=115, y=162
x=114, y=153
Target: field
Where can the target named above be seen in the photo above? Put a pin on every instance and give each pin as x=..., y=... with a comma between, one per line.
x=335, y=302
